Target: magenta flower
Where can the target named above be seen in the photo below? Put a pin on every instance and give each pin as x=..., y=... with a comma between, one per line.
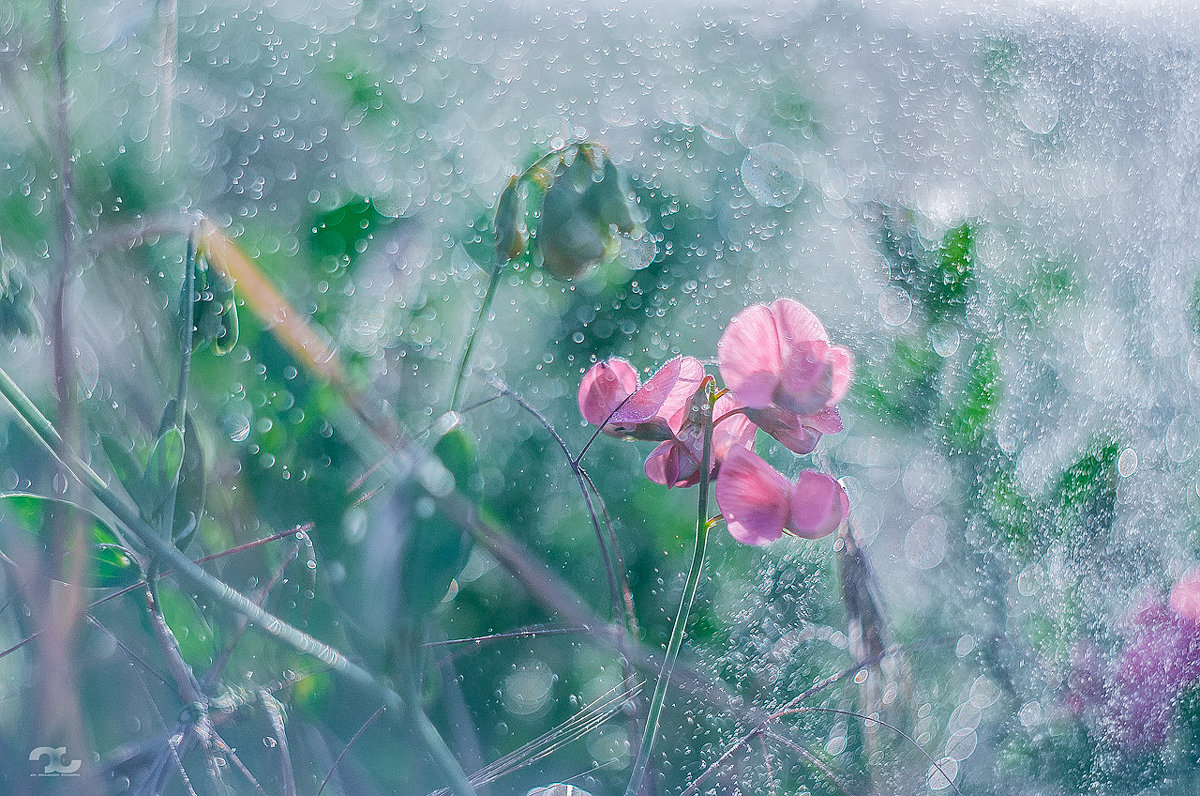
x=779, y=362
x=676, y=462
x=1161, y=659
x=759, y=503
x=610, y=396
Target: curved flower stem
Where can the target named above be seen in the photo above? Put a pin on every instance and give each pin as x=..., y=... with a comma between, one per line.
x=485, y=308
x=685, y=607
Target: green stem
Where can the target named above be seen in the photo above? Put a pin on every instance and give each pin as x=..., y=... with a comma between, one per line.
x=435, y=745
x=187, y=312
x=685, y=606
x=217, y=590
x=186, y=335
x=485, y=308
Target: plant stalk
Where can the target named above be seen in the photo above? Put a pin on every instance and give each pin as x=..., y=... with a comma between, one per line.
x=685, y=606
x=481, y=319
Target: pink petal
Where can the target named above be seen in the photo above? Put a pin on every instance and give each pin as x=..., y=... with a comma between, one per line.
x=664, y=393
x=748, y=356
x=603, y=388
x=753, y=498
x=691, y=374
x=819, y=504
x=787, y=427
x=806, y=381
x=1185, y=596
x=734, y=431
x=796, y=324
x=662, y=465
x=843, y=372
x=672, y=465
x=826, y=421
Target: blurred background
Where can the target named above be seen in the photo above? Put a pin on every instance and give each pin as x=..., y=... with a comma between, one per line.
x=996, y=210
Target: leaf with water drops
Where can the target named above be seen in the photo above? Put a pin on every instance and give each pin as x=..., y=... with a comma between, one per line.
x=108, y=563
x=214, y=309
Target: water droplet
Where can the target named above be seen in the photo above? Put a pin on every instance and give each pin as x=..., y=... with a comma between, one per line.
x=1127, y=462
x=237, y=426
x=772, y=174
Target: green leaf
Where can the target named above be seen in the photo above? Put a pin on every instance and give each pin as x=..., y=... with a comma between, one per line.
x=436, y=549
x=109, y=564
x=193, y=487
x=214, y=310
x=970, y=410
x=197, y=638
x=1086, y=492
x=955, y=268
x=511, y=234
x=162, y=470
x=900, y=386
x=126, y=467
x=459, y=455
x=1006, y=508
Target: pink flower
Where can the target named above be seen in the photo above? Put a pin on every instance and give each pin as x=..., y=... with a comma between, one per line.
x=759, y=503
x=1185, y=596
x=1136, y=698
x=779, y=362
x=798, y=434
x=676, y=462
x=1161, y=659
x=610, y=396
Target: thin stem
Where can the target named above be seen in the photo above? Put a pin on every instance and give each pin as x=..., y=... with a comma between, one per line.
x=353, y=739
x=816, y=762
x=61, y=139
x=434, y=744
x=168, y=44
x=583, y=480
x=685, y=607
x=187, y=314
x=481, y=319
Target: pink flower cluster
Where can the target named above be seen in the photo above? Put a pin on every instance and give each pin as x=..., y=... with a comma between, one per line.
x=782, y=375
x=1134, y=698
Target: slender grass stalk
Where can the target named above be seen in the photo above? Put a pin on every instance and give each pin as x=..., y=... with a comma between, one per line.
x=187, y=312
x=217, y=590
x=481, y=319
x=685, y=606
x=353, y=739
x=412, y=661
